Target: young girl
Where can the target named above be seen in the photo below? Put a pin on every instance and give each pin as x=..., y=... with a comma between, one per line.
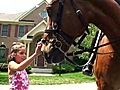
x=18, y=62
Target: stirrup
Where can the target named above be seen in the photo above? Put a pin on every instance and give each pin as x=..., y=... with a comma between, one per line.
x=87, y=71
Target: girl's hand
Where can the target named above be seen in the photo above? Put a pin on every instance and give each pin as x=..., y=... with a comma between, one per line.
x=39, y=44
x=38, y=48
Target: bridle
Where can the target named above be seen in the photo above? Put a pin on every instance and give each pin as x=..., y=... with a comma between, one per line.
x=57, y=32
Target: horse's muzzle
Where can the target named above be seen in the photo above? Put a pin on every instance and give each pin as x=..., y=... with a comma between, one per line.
x=54, y=56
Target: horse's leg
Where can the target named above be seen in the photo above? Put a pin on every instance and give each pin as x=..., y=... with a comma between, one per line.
x=102, y=85
x=100, y=80
x=102, y=67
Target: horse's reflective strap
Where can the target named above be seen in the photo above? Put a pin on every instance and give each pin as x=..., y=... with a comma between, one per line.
x=97, y=39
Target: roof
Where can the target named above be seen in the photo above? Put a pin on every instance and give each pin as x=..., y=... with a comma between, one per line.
x=38, y=28
x=31, y=10
x=9, y=17
x=19, y=16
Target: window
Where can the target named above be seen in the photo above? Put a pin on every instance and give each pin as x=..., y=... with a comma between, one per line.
x=2, y=52
x=43, y=14
x=4, y=30
x=21, y=31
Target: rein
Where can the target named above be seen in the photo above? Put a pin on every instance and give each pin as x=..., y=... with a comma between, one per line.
x=91, y=49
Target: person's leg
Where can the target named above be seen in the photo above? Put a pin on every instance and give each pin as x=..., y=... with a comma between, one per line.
x=88, y=69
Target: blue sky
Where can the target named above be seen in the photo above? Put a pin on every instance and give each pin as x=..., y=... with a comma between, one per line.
x=17, y=6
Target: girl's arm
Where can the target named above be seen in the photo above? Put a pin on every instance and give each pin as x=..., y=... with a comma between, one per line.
x=24, y=64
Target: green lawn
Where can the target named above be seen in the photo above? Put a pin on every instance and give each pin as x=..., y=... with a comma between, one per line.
x=69, y=78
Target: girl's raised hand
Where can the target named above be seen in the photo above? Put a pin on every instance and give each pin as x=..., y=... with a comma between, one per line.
x=38, y=48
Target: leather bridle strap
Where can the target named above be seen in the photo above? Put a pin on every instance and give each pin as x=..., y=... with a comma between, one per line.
x=91, y=49
x=63, y=36
x=57, y=23
x=66, y=38
x=80, y=15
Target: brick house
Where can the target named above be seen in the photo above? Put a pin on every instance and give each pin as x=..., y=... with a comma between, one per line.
x=27, y=27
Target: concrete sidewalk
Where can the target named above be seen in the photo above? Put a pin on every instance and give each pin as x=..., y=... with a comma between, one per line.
x=82, y=86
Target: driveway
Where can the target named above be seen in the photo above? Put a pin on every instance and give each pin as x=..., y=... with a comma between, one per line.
x=82, y=86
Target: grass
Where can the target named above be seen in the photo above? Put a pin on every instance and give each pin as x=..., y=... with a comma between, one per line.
x=69, y=78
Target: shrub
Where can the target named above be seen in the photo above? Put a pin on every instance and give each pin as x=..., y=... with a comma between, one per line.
x=63, y=67
x=3, y=67
x=80, y=61
x=28, y=69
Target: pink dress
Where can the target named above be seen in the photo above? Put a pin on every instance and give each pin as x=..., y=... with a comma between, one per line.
x=19, y=81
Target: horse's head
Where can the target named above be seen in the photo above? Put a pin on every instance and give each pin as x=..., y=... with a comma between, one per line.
x=65, y=23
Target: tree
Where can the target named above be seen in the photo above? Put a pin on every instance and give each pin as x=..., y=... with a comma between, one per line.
x=86, y=42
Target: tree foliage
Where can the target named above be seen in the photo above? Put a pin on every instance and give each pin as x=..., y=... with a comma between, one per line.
x=87, y=41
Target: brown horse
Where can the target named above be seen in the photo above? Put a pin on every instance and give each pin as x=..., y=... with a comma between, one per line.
x=70, y=18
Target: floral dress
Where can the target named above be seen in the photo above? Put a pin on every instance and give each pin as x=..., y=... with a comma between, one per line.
x=19, y=81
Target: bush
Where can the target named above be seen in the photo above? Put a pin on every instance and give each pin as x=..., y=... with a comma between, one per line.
x=63, y=67
x=3, y=67
x=80, y=61
x=28, y=69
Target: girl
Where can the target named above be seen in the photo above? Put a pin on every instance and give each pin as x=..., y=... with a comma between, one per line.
x=18, y=62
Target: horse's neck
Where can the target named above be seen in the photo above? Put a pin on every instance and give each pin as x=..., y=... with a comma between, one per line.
x=105, y=14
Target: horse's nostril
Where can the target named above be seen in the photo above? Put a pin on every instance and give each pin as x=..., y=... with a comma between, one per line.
x=58, y=44
x=43, y=41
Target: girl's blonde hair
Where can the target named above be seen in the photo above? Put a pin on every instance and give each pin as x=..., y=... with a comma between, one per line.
x=14, y=49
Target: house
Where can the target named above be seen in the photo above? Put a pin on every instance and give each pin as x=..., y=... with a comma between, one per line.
x=27, y=27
